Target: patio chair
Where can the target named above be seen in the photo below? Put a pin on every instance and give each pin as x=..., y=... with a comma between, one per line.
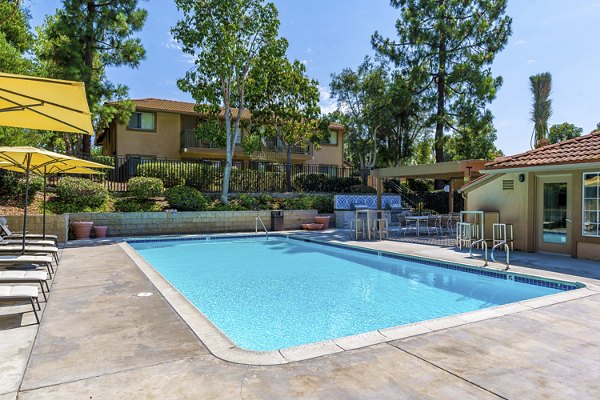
x=8, y=234
x=33, y=250
x=27, y=262
x=410, y=224
x=39, y=277
x=35, y=242
x=434, y=223
x=21, y=293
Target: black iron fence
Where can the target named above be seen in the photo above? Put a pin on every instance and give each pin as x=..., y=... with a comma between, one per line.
x=207, y=176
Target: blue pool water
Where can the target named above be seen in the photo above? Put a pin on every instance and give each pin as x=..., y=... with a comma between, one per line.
x=267, y=295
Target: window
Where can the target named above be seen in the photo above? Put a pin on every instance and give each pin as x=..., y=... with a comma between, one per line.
x=144, y=121
x=591, y=204
x=332, y=139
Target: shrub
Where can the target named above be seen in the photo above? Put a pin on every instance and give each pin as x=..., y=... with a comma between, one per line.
x=324, y=183
x=362, y=189
x=12, y=185
x=79, y=195
x=168, y=173
x=302, y=202
x=185, y=198
x=323, y=204
x=145, y=188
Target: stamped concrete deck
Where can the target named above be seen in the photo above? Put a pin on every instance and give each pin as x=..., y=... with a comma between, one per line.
x=99, y=340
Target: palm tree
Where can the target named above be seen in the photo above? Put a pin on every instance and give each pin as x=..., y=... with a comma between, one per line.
x=541, y=86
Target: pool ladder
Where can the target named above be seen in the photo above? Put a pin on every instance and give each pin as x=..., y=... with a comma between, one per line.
x=485, y=251
x=257, y=220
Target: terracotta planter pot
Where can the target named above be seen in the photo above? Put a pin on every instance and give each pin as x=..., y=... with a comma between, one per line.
x=100, y=231
x=82, y=229
x=312, y=227
x=324, y=220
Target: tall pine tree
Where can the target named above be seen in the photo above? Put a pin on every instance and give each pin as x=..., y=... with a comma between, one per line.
x=447, y=46
x=84, y=38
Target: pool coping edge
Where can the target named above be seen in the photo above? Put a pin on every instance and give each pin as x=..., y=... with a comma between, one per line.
x=220, y=346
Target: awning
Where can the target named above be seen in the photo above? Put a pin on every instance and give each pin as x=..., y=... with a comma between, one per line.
x=468, y=169
x=45, y=104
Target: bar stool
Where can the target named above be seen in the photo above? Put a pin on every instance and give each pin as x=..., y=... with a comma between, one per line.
x=463, y=234
x=357, y=227
x=502, y=233
x=382, y=228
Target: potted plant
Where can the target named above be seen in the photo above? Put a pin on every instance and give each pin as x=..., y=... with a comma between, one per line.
x=100, y=231
x=81, y=229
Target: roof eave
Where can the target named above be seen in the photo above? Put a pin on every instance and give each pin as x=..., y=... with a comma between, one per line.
x=547, y=167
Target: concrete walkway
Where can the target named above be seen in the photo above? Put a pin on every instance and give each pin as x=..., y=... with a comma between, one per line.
x=98, y=339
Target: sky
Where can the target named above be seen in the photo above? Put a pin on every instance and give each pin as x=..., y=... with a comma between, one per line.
x=556, y=36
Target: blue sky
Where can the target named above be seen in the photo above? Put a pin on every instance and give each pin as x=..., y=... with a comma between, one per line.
x=558, y=36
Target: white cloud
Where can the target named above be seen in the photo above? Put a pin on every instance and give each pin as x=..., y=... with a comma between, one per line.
x=530, y=61
x=520, y=42
x=327, y=103
x=309, y=50
x=173, y=44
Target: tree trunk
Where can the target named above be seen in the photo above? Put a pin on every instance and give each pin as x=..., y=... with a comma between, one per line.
x=288, y=169
x=86, y=143
x=228, y=156
x=441, y=100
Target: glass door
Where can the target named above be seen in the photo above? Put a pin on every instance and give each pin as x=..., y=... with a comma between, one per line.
x=553, y=214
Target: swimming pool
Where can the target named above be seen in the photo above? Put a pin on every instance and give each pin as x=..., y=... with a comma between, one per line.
x=268, y=295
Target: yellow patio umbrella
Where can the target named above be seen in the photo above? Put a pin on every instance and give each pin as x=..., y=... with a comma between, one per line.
x=45, y=104
x=41, y=162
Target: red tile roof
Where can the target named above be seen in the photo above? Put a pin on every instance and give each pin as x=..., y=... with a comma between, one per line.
x=182, y=107
x=179, y=107
x=583, y=149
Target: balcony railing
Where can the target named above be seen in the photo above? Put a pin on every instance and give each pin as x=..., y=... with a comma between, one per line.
x=189, y=140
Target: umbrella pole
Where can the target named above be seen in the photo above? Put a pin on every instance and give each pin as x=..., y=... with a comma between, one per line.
x=26, y=201
x=44, y=218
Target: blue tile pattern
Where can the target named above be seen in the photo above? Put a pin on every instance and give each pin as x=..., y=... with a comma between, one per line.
x=346, y=201
x=530, y=280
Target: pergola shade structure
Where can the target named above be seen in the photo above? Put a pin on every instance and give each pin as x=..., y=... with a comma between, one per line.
x=452, y=171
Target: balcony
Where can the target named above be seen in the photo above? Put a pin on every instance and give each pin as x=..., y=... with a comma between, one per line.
x=189, y=140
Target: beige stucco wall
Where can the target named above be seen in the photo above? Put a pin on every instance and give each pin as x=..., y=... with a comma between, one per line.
x=164, y=143
x=519, y=208
x=511, y=204
x=330, y=154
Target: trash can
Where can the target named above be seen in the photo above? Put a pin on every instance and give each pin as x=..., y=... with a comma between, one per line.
x=276, y=220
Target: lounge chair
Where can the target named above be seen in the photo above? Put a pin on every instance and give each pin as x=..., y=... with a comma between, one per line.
x=8, y=234
x=20, y=261
x=39, y=277
x=17, y=249
x=21, y=293
x=35, y=242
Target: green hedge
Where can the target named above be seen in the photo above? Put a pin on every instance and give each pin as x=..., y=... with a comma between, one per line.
x=79, y=195
x=185, y=198
x=145, y=188
x=136, y=205
x=318, y=182
x=12, y=185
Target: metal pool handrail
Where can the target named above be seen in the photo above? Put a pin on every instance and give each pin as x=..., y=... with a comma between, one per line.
x=506, y=248
x=257, y=220
x=484, y=243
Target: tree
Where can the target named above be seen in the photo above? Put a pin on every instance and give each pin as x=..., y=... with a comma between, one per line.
x=16, y=39
x=564, y=131
x=474, y=144
x=541, y=110
x=227, y=40
x=448, y=45
x=361, y=97
x=84, y=38
x=285, y=105
x=404, y=123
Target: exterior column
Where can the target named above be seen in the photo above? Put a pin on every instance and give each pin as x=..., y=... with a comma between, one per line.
x=451, y=196
x=379, y=184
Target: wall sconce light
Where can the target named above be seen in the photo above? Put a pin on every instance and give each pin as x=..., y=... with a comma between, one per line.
x=521, y=178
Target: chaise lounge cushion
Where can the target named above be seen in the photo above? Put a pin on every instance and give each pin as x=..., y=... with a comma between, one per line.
x=18, y=292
